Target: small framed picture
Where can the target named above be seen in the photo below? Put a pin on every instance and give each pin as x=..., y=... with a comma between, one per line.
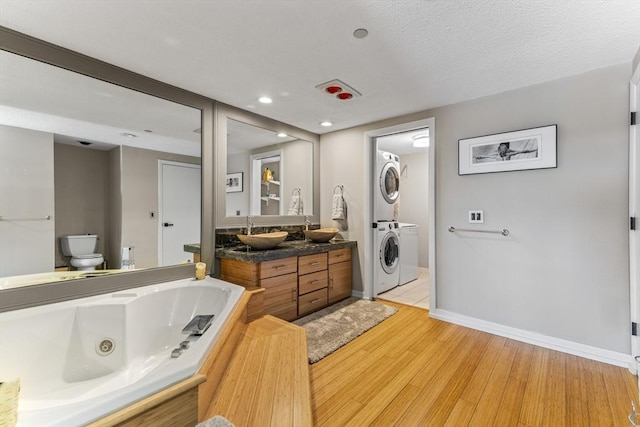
x=234, y=182
x=525, y=149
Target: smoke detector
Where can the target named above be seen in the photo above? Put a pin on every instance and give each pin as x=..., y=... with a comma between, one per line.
x=338, y=89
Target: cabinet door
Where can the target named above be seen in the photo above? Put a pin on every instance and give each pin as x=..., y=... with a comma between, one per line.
x=281, y=296
x=339, y=281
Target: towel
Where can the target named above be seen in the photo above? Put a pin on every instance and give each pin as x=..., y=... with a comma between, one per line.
x=295, y=206
x=339, y=211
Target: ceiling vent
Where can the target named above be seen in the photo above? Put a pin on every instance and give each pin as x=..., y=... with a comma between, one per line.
x=338, y=89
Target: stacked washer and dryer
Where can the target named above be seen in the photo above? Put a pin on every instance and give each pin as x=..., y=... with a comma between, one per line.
x=397, y=261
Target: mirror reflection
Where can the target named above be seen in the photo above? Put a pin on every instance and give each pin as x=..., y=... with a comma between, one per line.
x=267, y=173
x=94, y=177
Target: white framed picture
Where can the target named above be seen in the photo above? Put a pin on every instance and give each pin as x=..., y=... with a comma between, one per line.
x=234, y=182
x=524, y=149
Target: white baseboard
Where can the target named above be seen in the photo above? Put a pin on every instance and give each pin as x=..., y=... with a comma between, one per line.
x=570, y=347
x=358, y=294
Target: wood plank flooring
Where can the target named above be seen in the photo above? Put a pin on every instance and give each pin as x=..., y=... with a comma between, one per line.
x=415, y=371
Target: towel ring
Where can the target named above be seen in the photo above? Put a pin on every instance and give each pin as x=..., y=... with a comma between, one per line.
x=339, y=187
x=298, y=190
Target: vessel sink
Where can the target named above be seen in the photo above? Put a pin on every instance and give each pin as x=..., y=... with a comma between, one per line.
x=264, y=240
x=321, y=235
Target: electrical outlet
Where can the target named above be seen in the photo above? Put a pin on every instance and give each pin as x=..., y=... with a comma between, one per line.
x=476, y=217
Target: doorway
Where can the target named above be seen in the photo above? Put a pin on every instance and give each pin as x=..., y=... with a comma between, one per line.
x=415, y=206
x=411, y=207
x=178, y=210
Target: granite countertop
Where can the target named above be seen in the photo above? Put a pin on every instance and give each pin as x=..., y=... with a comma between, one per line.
x=285, y=250
x=193, y=248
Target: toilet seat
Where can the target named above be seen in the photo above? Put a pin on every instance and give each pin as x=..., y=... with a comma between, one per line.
x=87, y=262
x=88, y=256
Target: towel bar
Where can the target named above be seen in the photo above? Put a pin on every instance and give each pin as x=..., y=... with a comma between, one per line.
x=6, y=218
x=504, y=231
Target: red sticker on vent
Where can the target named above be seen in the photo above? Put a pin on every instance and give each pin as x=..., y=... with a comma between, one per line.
x=345, y=95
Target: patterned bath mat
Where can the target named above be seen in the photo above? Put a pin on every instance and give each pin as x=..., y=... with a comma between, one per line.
x=334, y=326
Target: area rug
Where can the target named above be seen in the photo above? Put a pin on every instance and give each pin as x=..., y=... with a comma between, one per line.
x=334, y=326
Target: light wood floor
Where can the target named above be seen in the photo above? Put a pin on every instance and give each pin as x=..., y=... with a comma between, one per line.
x=415, y=371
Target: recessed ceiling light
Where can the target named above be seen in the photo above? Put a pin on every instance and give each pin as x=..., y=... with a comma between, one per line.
x=421, y=140
x=85, y=142
x=148, y=130
x=360, y=33
x=326, y=123
x=128, y=135
x=265, y=100
x=282, y=135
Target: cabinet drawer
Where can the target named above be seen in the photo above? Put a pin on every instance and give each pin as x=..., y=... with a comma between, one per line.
x=312, y=282
x=312, y=263
x=278, y=267
x=312, y=301
x=339, y=255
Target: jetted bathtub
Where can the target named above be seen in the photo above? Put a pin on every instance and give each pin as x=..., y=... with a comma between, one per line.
x=80, y=360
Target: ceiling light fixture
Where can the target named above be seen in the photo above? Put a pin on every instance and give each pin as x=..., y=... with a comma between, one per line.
x=421, y=141
x=282, y=135
x=326, y=123
x=128, y=135
x=265, y=100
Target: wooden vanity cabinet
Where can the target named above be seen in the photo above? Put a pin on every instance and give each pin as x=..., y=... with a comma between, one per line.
x=339, y=274
x=295, y=286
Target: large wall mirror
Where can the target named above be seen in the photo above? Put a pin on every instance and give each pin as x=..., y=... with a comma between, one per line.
x=80, y=156
x=269, y=171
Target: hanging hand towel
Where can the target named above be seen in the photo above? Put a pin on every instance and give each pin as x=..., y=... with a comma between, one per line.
x=338, y=211
x=295, y=206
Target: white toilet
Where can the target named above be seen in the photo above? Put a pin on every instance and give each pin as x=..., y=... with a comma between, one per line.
x=81, y=249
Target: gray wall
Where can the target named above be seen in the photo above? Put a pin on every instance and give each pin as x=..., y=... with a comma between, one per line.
x=81, y=193
x=414, y=199
x=563, y=272
x=139, y=181
x=26, y=191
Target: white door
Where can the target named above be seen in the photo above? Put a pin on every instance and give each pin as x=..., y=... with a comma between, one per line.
x=634, y=210
x=179, y=211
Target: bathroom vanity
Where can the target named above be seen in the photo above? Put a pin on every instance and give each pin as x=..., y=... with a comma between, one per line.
x=298, y=278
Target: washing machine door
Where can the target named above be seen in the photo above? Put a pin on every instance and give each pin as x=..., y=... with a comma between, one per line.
x=389, y=252
x=390, y=182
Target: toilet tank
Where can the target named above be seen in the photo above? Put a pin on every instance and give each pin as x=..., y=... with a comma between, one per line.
x=83, y=244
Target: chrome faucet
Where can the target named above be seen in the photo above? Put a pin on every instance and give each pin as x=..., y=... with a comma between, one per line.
x=250, y=225
x=307, y=222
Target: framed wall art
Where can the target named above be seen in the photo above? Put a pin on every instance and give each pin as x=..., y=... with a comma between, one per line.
x=525, y=149
x=234, y=182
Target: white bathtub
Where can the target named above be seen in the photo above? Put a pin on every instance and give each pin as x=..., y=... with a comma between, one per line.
x=65, y=382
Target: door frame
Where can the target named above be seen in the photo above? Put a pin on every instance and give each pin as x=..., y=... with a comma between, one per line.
x=159, y=213
x=634, y=211
x=371, y=186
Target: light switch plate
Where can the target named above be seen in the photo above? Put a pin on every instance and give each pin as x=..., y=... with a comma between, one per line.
x=476, y=217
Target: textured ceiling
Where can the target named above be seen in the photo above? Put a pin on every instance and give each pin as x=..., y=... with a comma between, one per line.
x=418, y=55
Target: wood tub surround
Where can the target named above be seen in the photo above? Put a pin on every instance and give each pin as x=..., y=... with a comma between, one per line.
x=298, y=279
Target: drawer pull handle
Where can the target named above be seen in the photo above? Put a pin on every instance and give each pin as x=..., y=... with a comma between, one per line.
x=339, y=255
x=314, y=281
x=277, y=267
x=313, y=301
x=314, y=263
